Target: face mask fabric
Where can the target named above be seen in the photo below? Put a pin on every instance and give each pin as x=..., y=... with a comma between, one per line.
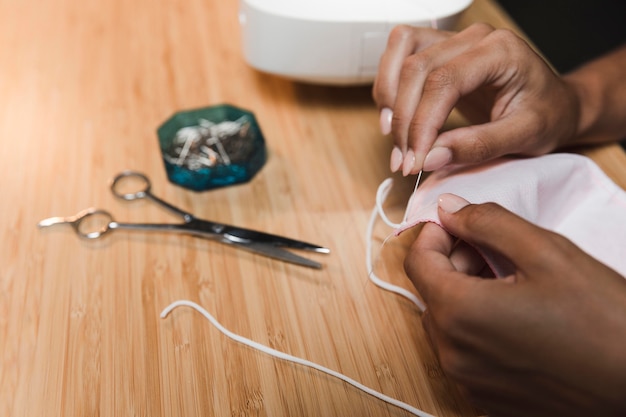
x=565, y=193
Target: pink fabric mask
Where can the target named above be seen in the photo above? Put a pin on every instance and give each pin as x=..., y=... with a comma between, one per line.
x=565, y=193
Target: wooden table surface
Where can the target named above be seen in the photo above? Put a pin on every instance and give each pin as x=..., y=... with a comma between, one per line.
x=83, y=86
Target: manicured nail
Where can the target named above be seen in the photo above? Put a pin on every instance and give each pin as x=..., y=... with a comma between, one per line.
x=408, y=163
x=437, y=158
x=396, y=159
x=385, y=120
x=451, y=203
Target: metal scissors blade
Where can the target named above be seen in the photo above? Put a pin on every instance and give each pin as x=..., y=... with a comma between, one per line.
x=274, y=252
x=266, y=244
x=268, y=239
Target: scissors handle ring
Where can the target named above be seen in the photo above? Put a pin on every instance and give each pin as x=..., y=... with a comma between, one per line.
x=140, y=193
x=92, y=223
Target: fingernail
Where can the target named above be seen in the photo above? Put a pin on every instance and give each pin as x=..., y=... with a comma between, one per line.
x=396, y=159
x=386, y=115
x=437, y=157
x=408, y=163
x=451, y=203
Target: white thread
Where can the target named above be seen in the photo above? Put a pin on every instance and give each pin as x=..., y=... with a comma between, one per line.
x=285, y=356
x=384, y=284
x=381, y=195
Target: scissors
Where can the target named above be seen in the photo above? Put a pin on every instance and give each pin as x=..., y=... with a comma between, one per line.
x=95, y=223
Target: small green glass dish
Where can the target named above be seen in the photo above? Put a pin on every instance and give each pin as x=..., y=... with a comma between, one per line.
x=211, y=147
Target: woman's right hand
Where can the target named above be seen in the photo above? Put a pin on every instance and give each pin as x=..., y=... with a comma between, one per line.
x=514, y=101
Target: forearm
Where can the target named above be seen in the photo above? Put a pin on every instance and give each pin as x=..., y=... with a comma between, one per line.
x=601, y=89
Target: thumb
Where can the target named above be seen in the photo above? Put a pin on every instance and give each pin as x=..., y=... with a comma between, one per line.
x=475, y=144
x=492, y=229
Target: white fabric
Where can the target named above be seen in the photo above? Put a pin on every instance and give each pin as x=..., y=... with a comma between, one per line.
x=566, y=193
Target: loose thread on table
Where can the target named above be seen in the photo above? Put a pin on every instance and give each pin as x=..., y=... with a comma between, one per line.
x=290, y=358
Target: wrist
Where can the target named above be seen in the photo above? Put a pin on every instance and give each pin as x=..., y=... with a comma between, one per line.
x=600, y=91
x=584, y=90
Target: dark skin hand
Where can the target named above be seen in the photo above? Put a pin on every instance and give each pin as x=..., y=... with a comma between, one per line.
x=548, y=340
x=515, y=103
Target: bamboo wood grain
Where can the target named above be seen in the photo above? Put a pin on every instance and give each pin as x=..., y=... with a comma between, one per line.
x=83, y=86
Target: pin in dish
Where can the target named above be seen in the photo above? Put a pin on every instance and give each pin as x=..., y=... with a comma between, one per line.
x=211, y=147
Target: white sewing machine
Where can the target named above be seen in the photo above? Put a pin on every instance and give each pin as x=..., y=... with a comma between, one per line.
x=335, y=42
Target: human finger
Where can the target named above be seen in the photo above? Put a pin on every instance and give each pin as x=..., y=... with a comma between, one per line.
x=466, y=259
x=513, y=134
x=491, y=227
x=483, y=65
x=402, y=42
x=429, y=259
x=416, y=69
